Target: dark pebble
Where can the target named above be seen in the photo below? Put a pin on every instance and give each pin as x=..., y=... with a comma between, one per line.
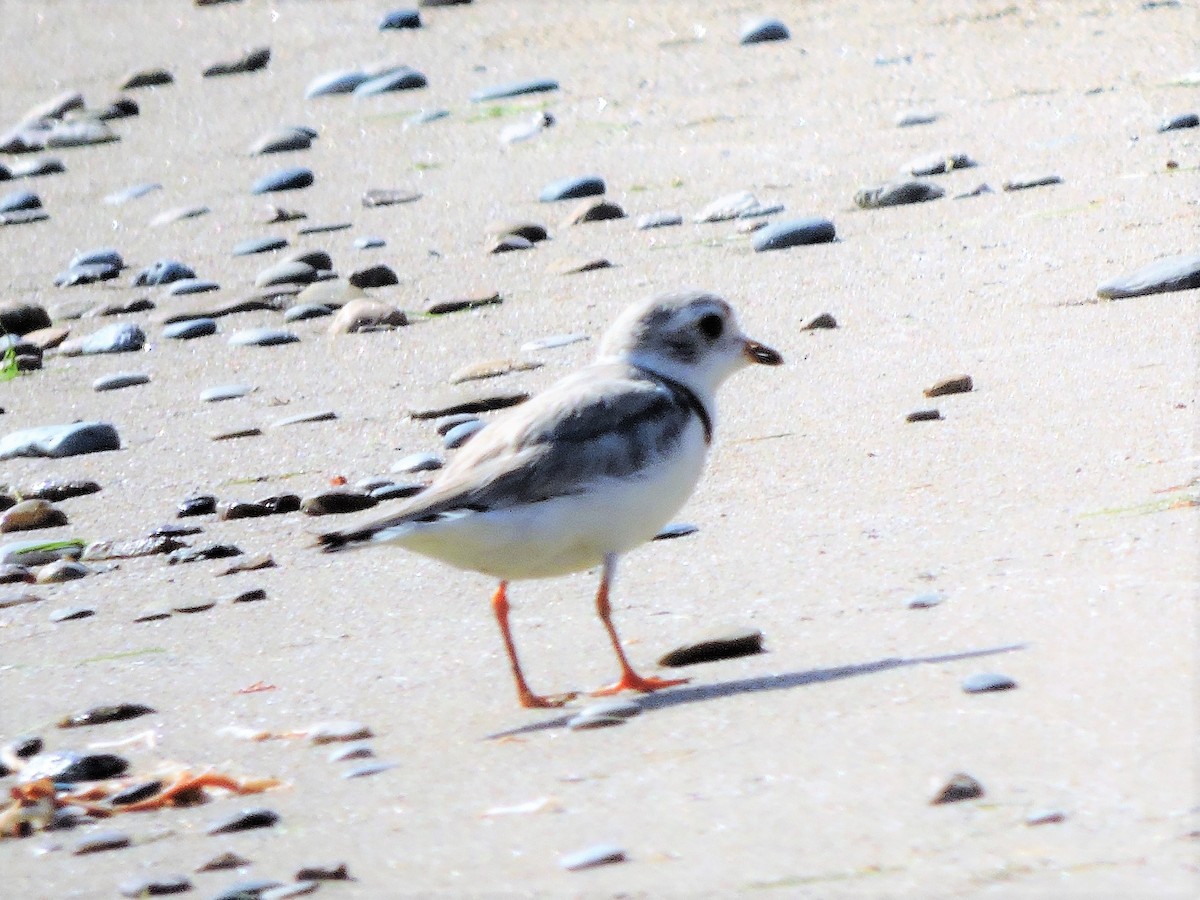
x=23, y=217
x=598, y=855
x=100, y=715
x=326, y=228
x=397, y=491
x=119, y=380
x=658, y=220
x=916, y=117
x=283, y=140
x=365, y=770
x=303, y=311
x=135, y=793
x=146, y=78
x=69, y=767
x=1186, y=120
x=483, y=298
x=418, y=462
x=402, y=78
x=121, y=337
x=1046, y=817
x=824, y=320
x=1176, y=273
x=986, y=682
x=250, y=246
x=251, y=61
x=960, y=787
x=197, y=506
x=154, y=886
x=508, y=243
x=194, y=606
x=281, y=504
x=485, y=403
x=723, y=646
x=1024, y=183
x=369, y=242
x=246, y=819
x=187, y=329
x=923, y=415
x=250, y=889
x=163, y=271
x=793, y=233
x=373, y=277
x=342, y=82
x=238, y=509
x=676, y=530
x=18, y=200
x=323, y=872
x=86, y=273
x=262, y=337
x=762, y=30
x=357, y=750
x=388, y=197
x=593, y=211
x=222, y=861
x=253, y=595
x=938, y=164
x=36, y=168
x=102, y=840
x=400, y=18
x=460, y=434
x=898, y=193
x=71, y=613
x=572, y=188
x=286, y=891
x=426, y=115
x=959, y=384
x=283, y=180
x=337, y=502
x=514, y=89
x=213, y=551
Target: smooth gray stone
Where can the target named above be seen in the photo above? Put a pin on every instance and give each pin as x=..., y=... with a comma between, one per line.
x=938, y=164
x=303, y=311
x=262, y=337
x=417, y=462
x=288, y=271
x=593, y=856
x=122, y=337
x=397, y=491
x=793, y=233
x=342, y=82
x=445, y=425
x=400, y=18
x=924, y=601
x=57, y=441
x=249, y=889
x=899, y=193
x=658, y=220
x=738, y=205
x=284, y=180
x=282, y=140
x=246, y=819
x=325, y=228
x=106, y=256
x=154, y=886
x=18, y=200
x=287, y=891
x=572, y=188
x=402, y=78
x=676, y=530
x=1176, y=273
x=250, y=246
x=1184, y=120
x=162, y=271
x=426, y=116
x=371, y=767
x=986, y=682
x=909, y=119
x=514, y=89
x=71, y=613
x=191, y=286
x=224, y=392
x=604, y=714
x=23, y=217
x=33, y=168
x=369, y=242
x=302, y=418
x=190, y=328
x=762, y=30
x=87, y=273
x=461, y=433
x=79, y=133
x=132, y=193
x=1031, y=181
x=119, y=380
x=102, y=840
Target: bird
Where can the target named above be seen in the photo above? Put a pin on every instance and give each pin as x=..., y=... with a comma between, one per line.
x=584, y=471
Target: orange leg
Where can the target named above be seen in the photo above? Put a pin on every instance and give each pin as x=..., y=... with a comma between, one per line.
x=528, y=698
x=630, y=680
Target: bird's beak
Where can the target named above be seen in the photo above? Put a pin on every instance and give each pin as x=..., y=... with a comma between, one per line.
x=761, y=353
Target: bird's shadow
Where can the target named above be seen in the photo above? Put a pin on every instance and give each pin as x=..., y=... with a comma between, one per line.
x=783, y=681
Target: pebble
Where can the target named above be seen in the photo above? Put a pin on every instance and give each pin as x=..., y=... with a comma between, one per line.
x=762, y=30
x=71, y=767
x=17, y=317
x=338, y=871
x=572, y=188
x=285, y=891
x=360, y=750
x=163, y=271
x=259, y=561
x=369, y=242
x=80, y=133
x=793, y=233
x=70, y=613
x=133, y=192
x=102, y=840
x=604, y=714
x=103, y=256
x=240, y=509
x=61, y=571
x=592, y=211
x=303, y=311
x=524, y=131
x=254, y=245
x=899, y=193
x=212, y=551
x=401, y=78
x=286, y=272
x=29, y=515
x=135, y=793
x=35, y=168
x=119, y=380
x=658, y=220
x=180, y=214
x=739, y=205
x=249, y=889
x=676, y=530
x=187, y=329
x=399, y=18
x=39, y=552
x=121, y=337
x=1046, y=817
x=960, y=787
x=366, y=314
x=337, y=502
x=574, y=265
x=282, y=140
x=397, y=491
x=58, y=441
x=460, y=434
x=1031, y=181
x=372, y=767
x=262, y=337
x=251, y=61
x=102, y=715
x=916, y=117
x=457, y=304
x=241, y=431
x=531, y=231
x=493, y=368
x=924, y=601
x=120, y=307
x=334, y=731
x=598, y=855
x=222, y=861
x=225, y=392
x=154, y=886
x=987, y=682
x=388, y=197
x=938, y=164
x=194, y=606
x=959, y=384
x=514, y=89
x=284, y=180
x=376, y=276
x=253, y=595
x=146, y=78
x=426, y=116
x=197, y=506
x=244, y=820
x=324, y=415
x=823, y=321
x=923, y=415
x=12, y=574
x=18, y=200
x=724, y=645
x=341, y=82
x=149, y=546
x=24, y=217
x=86, y=273
x=417, y=462
x=508, y=243
x=1184, y=120
x=1176, y=273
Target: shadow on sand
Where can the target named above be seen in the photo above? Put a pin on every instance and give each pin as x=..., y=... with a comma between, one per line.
x=784, y=681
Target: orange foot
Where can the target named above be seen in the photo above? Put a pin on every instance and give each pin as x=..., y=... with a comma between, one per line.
x=530, y=700
x=632, y=681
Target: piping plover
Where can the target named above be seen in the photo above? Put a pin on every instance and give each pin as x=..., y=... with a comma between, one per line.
x=584, y=471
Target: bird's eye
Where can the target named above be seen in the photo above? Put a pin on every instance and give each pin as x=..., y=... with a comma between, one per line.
x=711, y=326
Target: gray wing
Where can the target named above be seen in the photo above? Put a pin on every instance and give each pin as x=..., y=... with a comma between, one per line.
x=604, y=422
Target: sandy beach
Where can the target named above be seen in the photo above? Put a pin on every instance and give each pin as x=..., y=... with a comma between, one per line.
x=1051, y=510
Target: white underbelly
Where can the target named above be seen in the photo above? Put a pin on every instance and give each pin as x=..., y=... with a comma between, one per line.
x=566, y=534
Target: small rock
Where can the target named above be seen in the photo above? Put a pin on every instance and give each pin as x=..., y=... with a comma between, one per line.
x=460, y=434
x=251, y=563
x=924, y=601
x=916, y=117
x=987, y=682
x=493, y=368
x=71, y=767
x=738, y=205
x=282, y=140
x=592, y=211
x=763, y=30
x=286, y=891
x=898, y=193
x=58, y=441
x=1184, y=120
x=252, y=246
x=363, y=314
x=250, y=889
x=604, y=713
x=417, y=462
x=923, y=415
x=358, y=750
x=140, y=78
x=197, y=506
x=658, y=220
x=472, y=301
x=250, y=61
x=323, y=872
x=373, y=277
x=119, y=380
x=102, y=715
x=1031, y=181
x=262, y=337
x=135, y=793
x=213, y=551
x=179, y=214
x=369, y=242
x=341, y=82
x=388, y=197
x=959, y=384
x=576, y=264
x=39, y=552
x=398, y=18
x=399, y=78
x=302, y=312
x=284, y=180
x=676, y=530
x=32, y=514
x=337, y=502
x=243, y=431
x=193, y=606
x=364, y=770
x=102, y=840
x=133, y=192
x=824, y=320
x=937, y=164
x=189, y=329
x=1046, y=817
x=514, y=89
x=225, y=392
x=222, y=861
x=1176, y=273
x=71, y=613
x=238, y=509
x=331, y=732
x=163, y=271
x=793, y=233
x=426, y=116
x=325, y=415
x=572, y=188
x=396, y=491
x=726, y=645
x=960, y=787
x=599, y=855
x=154, y=886
x=508, y=243
x=253, y=595
x=246, y=819
x=62, y=570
